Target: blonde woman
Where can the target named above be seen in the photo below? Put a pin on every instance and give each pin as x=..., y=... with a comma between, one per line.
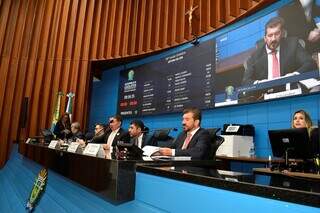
x=301, y=119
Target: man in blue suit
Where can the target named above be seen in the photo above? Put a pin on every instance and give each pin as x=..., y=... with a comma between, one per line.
x=194, y=141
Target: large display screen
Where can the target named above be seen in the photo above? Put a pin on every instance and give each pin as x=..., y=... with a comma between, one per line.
x=274, y=56
x=170, y=84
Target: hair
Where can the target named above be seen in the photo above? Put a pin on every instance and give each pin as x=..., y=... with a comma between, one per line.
x=68, y=123
x=138, y=123
x=100, y=124
x=118, y=118
x=196, y=113
x=307, y=119
x=273, y=22
x=76, y=125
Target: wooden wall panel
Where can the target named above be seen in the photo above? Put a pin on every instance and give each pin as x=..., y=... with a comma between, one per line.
x=46, y=46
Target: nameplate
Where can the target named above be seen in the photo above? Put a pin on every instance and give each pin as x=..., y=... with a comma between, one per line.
x=73, y=147
x=283, y=94
x=226, y=103
x=232, y=128
x=28, y=140
x=53, y=144
x=92, y=149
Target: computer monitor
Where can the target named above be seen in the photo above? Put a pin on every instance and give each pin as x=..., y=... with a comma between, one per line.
x=315, y=141
x=293, y=142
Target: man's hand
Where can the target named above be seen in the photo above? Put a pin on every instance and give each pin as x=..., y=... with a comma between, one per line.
x=314, y=35
x=260, y=81
x=106, y=146
x=165, y=151
x=66, y=131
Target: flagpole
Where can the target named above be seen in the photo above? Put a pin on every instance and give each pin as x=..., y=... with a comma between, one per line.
x=70, y=96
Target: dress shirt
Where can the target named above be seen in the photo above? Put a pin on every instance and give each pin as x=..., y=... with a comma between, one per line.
x=270, y=63
x=112, y=136
x=193, y=132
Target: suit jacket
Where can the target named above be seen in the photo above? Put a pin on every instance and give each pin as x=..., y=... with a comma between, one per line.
x=99, y=139
x=145, y=140
x=293, y=57
x=121, y=135
x=315, y=143
x=78, y=135
x=198, y=148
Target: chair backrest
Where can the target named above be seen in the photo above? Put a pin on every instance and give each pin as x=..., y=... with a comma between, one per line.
x=161, y=138
x=216, y=141
x=47, y=135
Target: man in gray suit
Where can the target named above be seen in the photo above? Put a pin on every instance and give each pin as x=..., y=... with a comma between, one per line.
x=278, y=57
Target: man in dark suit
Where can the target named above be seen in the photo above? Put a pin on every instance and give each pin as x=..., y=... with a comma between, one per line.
x=194, y=141
x=99, y=134
x=76, y=133
x=278, y=57
x=116, y=133
x=138, y=133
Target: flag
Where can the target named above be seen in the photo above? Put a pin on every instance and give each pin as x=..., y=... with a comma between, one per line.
x=56, y=113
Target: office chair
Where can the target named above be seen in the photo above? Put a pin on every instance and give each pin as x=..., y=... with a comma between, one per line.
x=47, y=135
x=161, y=137
x=216, y=141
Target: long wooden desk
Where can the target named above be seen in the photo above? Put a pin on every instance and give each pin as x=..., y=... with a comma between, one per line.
x=112, y=179
x=249, y=159
x=286, y=173
x=115, y=180
x=288, y=189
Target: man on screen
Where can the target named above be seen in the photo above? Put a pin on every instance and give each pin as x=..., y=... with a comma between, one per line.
x=279, y=56
x=194, y=141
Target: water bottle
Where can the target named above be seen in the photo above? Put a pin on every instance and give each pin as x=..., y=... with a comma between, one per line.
x=269, y=162
x=251, y=152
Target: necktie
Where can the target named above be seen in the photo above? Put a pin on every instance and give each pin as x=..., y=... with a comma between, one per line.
x=187, y=141
x=275, y=65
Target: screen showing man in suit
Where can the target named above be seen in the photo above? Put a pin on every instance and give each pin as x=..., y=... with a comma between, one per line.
x=273, y=55
x=194, y=141
x=280, y=56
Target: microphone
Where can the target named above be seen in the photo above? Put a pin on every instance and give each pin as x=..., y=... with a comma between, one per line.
x=145, y=130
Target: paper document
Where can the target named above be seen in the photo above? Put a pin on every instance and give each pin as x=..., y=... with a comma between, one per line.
x=310, y=83
x=171, y=158
x=150, y=150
